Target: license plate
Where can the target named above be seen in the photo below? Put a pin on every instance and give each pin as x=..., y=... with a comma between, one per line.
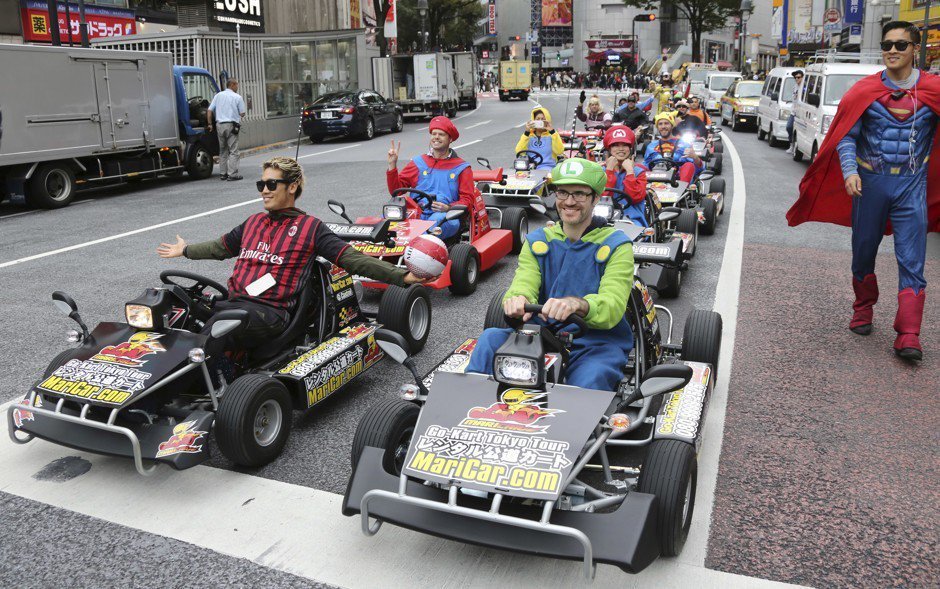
x=325, y=115
x=415, y=109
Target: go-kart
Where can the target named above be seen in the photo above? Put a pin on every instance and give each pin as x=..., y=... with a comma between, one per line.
x=476, y=247
x=519, y=188
x=505, y=461
x=709, y=149
x=585, y=144
x=154, y=388
x=663, y=179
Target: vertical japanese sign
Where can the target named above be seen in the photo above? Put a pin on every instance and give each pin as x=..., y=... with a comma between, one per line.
x=391, y=21
x=491, y=18
x=854, y=11
x=355, y=14
x=102, y=21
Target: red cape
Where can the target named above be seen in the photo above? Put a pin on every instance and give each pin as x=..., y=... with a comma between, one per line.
x=822, y=190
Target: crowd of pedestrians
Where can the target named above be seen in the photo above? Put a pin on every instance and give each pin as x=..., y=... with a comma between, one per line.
x=614, y=80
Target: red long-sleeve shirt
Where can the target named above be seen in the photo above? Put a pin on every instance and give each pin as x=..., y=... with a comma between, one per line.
x=634, y=185
x=408, y=177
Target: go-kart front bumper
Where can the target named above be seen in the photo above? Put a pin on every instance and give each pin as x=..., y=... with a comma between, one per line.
x=625, y=538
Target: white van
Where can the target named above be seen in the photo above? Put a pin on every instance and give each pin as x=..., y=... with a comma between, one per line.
x=826, y=81
x=695, y=74
x=776, y=105
x=716, y=84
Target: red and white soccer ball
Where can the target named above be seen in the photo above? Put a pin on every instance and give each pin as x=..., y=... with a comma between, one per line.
x=426, y=256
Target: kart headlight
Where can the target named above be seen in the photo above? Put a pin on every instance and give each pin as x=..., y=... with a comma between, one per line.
x=520, y=165
x=139, y=316
x=409, y=392
x=393, y=212
x=515, y=370
x=827, y=120
x=618, y=422
x=197, y=355
x=74, y=336
x=605, y=211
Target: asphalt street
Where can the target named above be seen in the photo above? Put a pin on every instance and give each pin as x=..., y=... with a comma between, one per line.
x=177, y=529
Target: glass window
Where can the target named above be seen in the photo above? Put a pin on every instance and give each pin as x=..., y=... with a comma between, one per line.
x=327, y=78
x=721, y=83
x=278, y=94
x=277, y=74
x=837, y=86
x=747, y=90
x=768, y=85
x=340, y=97
x=302, y=62
x=347, y=64
x=276, y=64
x=788, y=85
x=198, y=86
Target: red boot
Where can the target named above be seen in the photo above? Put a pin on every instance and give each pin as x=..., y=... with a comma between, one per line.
x=907, y=324
x=866, y=295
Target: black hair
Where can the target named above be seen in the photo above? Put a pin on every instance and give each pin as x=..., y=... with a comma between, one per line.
x=800, y=72
x=912, y=30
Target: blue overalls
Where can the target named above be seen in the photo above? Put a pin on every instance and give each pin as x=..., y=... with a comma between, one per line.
x=542, y=145
x=444, y=184
x=571, y=269
x=634, y=212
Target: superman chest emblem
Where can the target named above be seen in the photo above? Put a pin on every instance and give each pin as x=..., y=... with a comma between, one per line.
x=901, y=108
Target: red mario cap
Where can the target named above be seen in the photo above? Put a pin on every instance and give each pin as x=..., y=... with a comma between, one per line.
x=619, y=134
x=444, y=124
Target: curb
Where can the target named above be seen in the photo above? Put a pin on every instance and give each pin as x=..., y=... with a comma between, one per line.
x=269, y=147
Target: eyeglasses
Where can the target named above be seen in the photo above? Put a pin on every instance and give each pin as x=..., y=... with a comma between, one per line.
x=578, y=197
x=271, y=185
x=899, y=45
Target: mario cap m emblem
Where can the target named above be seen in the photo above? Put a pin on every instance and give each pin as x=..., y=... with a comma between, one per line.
x=619, y=134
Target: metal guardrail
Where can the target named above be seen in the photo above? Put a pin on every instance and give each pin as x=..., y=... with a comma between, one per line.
x=833, y=56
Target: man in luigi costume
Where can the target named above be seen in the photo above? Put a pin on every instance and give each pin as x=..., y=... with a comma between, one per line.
x=578, y=265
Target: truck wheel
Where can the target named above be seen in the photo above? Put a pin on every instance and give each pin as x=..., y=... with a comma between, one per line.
x=761, y=134
x=701, y=338
x=388, y=426
x=797, y=154
x=51, y=187
x=670, y=472
x=495, y=317
x=772, y=139
x=673, y=278
x=503, y=97
x=516, y=220
x=474, y=103
x=253, y=420
x=464, y=269
x=407, y=311
x=710, y=210
x=199, y=163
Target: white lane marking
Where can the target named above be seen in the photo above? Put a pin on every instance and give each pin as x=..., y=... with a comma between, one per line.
x=249, y=517
x=329, y=151
x=478, y=124
x=126, y=234
x=74, y=204
x=422, y=129
x=520, y=125
x=726, y=303
x=466, y=114
x=466, y=144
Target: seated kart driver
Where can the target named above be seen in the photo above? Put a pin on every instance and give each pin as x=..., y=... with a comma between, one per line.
x=626, y=175
x=668, y=146
x=630, y=114
x=686, y=123
x=540, y=136
x=274, y=251
x=696, y=110
x=439, y=172
x=595, y=117
x=579, y=265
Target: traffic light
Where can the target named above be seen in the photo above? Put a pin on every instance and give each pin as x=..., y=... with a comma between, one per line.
x=645, y=17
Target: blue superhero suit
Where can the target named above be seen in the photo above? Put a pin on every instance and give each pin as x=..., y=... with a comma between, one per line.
x=443, y=183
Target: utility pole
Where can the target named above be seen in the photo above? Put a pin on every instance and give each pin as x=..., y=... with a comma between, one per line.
x=82, y=25
x=53, y=6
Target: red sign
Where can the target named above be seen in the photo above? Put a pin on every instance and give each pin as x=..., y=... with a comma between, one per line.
x=491, y=24
x=102, y=22
x=604, y=44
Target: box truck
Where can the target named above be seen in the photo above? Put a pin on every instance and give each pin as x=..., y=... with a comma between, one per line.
x=423, y=84
x=515, y=79
x=80, y=118
x=466, y=75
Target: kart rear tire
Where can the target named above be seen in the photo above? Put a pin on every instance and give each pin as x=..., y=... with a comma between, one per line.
x=718, y=163
x=495, y=317
x=717, y=185
x=673, y=278
x=388, y=426
x=701, y=338
x=710, y=210
x=250, y=402
x=719, y=147
x=670, y=472
x=687, y=222
x=407, y=312
x=516, y=220
x=51, y=186
x=464, y=269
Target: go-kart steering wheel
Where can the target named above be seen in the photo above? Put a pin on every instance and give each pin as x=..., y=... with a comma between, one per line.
x=420, y=195
x=194, y=290
x=615, y=201
x=556, y=326
x=665, y=162
x=534, y=157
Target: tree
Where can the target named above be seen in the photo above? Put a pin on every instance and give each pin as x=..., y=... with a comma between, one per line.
x=451, y=23
x=703, y=15
x=380, y=8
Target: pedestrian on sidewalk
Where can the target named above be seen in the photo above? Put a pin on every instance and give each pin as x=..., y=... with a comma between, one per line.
x=791, y=132
x=873, y=168
x=226, y=111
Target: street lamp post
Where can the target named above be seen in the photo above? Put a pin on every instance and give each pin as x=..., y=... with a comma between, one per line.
x=423, y=12
x=746, y=8
x=639, y=18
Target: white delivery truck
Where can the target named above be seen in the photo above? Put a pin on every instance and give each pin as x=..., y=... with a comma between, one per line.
x=423, y=84
x=466, y=74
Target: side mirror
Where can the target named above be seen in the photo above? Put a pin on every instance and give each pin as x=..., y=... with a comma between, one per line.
x=665, y=378
x=392, y=344
x=668, y=215
x=455, y=212
x=339, y=209
x=537, y=205
x=64, y=303
x=484, y=162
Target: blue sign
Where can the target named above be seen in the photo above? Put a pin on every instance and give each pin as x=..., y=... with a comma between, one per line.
x=854, y=11
x=535, y=50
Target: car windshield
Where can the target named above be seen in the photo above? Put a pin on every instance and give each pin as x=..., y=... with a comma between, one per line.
x=721, y=83
x=341, y=97
x=837, y=86
x=748, y=90
x=787, y=93
x=698, y=75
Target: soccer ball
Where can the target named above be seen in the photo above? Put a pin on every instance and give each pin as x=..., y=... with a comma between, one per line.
x=426, y=256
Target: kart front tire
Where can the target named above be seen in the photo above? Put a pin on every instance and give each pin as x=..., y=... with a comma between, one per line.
x=701, y=338
x=495, y=317
x=59, y=359
x=673, y=278
x=710, y=210
x=717, y=164
x=407, y=311
x=464, y=269
x=253, y=420
x=670, y=472
x=719, y=147
x=388, y=426
x=717, y=185
x=516, y=220
x=687, y=222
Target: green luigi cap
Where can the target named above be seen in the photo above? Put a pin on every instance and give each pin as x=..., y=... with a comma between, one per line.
x=578, y=170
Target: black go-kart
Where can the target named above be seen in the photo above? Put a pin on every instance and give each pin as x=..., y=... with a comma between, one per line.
x=153, y=388
x=707, y=200
x=709, y=149
x=505, y=461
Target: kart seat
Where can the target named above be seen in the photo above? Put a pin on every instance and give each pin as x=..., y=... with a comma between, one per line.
x=306, y=298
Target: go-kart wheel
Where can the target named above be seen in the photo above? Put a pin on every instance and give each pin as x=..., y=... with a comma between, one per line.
x=717, y=185
x=464, y=269
x=701, y=338
x=673, y=278
x=388, y=426
x=253, y=420
x=719, y=147
x=517, y=221
x=710, y=211
x=670, y=472
x=495, y=317
x=407, y=312
x=59, y=359
x=687, y=222
x=717, y=163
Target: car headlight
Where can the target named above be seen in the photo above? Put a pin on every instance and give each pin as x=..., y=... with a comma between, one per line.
x=515, y=370
x=139, y=316
x=393, y=212
x=827, y=120
x=604, y=211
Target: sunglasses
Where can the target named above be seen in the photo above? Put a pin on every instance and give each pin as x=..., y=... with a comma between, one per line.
x=271, y=185
x=899, y=45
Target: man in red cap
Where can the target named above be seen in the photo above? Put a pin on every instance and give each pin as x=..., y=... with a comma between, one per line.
x=624, y=174
x=439, y=172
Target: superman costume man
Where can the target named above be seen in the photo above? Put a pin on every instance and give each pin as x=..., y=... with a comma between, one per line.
x=439, y=172
x=878, y=171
